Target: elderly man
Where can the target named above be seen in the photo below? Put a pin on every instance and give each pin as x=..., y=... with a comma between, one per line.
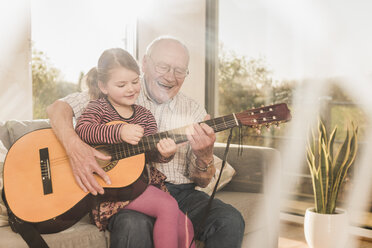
x=165, y=67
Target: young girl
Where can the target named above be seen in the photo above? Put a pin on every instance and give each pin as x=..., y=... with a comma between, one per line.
x=115, y=84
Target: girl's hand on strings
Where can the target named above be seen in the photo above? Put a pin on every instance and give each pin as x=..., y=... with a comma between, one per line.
x=131, y=133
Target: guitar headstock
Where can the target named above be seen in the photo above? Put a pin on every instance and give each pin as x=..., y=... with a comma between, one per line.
x=265, y=116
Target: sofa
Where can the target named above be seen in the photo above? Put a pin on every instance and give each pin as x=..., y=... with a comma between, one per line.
x=256, y=172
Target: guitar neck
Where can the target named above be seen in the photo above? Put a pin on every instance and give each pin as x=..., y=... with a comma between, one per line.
x=148, y=143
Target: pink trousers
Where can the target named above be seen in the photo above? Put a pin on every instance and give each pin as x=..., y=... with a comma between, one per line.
x=172, y=228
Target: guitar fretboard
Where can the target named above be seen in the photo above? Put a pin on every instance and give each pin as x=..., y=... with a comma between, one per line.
x=148, y=143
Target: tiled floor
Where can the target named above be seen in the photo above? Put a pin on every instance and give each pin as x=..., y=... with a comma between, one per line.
x=292, y=236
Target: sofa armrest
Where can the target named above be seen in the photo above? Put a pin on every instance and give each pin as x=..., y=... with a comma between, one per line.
x=255, y=168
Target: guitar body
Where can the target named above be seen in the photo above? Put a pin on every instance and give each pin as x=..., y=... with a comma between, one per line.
x=58, y=198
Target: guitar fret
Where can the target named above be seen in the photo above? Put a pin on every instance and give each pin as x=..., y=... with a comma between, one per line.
x=139, y=147
x=127, y=149
x=173, y=137
x=122, y=150
x=148, y=142
x=223, y=120
x=112, y=151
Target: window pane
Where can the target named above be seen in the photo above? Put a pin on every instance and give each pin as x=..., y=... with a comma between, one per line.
x=69, y=36
x=301, y=53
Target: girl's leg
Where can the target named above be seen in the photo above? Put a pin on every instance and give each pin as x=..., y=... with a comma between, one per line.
x=185, y=231
x=161, y=205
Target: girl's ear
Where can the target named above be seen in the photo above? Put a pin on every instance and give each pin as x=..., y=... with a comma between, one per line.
x=102, y=87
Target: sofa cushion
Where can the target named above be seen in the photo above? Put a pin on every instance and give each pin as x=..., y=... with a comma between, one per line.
x=227, y=174
x=252, y=166
x=4, y=134
x=3, y=212
x=82, y=234
x=250, y=205
x=19, y=128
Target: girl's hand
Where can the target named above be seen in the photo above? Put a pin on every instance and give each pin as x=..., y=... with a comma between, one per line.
x=167, y=147
x=131, y=133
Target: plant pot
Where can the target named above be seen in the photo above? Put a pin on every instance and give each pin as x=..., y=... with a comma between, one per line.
x=326, y=230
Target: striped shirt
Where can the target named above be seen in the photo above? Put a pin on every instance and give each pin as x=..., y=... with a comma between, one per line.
x=92, y=128
x=177, y=112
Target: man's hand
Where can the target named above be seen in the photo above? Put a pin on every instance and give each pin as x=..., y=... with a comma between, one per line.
x=84, y=165
x=167, y=147
x=201, y=138
x=82, y=157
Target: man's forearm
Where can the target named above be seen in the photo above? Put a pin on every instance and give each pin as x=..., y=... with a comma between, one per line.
x=60, y=114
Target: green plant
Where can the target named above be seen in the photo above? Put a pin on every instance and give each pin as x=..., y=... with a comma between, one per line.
x=328, y=171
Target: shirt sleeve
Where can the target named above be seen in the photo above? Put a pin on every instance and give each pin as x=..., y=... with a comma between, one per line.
x=92, y=130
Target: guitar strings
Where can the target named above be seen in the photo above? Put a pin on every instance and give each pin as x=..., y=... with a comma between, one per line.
x=140, y=148
x=118, y=150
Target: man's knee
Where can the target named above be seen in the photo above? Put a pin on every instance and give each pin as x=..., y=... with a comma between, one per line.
x=232, y=218
x=130, y=221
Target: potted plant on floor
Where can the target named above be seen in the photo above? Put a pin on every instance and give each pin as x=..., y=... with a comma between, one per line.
x=325, y=225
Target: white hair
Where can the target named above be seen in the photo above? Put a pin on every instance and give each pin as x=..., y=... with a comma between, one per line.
x=156, y=41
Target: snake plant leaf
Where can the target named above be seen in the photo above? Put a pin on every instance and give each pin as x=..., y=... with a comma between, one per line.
x=322, y=131
x=350, y=161
x=324, y=168
x=330, y=168
x=319, y=199
x=341, y=156
x=313, y=143
x=344, y=153
x=330, y=143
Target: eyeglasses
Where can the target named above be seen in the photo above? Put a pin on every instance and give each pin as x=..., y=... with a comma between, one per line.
x=163, y=68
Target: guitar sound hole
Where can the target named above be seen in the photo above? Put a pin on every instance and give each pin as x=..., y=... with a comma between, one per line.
x=110, y=165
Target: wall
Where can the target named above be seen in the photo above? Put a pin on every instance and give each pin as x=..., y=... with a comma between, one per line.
x=184, y=19
x=15, y=72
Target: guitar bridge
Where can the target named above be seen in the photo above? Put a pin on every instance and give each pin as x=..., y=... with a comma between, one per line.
x=46, y=176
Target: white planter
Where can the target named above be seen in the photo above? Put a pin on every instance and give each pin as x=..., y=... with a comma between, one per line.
x=326, y=230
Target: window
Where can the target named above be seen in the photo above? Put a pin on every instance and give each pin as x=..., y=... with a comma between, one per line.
x=67, y=39
x=308, y=55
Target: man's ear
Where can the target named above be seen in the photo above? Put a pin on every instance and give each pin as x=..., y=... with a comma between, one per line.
x=102, y=87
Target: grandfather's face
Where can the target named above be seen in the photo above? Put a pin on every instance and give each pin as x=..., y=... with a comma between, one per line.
x=165, y=70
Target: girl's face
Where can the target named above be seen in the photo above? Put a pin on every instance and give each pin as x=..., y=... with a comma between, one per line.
x=123, y=87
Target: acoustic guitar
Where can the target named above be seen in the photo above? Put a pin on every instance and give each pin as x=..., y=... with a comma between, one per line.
x=40, y=188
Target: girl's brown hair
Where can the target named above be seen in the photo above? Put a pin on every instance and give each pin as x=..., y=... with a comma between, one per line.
x=110, y=59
